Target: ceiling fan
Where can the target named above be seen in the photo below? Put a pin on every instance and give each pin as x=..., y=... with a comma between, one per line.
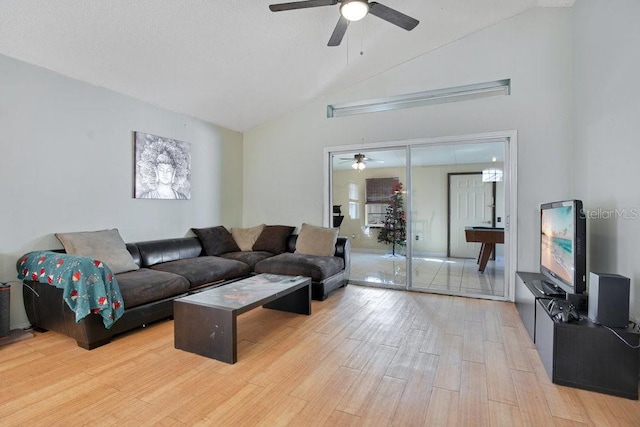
x=352, y=10
x=359, y=161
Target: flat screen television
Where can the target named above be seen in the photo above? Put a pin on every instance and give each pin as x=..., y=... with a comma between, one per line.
x=563, y=259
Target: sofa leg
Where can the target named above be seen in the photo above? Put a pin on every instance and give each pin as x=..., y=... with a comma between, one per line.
x=93, y=344
x=39, y=329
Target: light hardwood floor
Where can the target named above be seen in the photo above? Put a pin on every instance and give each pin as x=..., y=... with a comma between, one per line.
x=366, y=356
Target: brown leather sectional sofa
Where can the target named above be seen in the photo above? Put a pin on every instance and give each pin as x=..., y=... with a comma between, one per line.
x=172, y=268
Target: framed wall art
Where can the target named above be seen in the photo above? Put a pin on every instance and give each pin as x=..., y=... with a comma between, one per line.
x=162, y=168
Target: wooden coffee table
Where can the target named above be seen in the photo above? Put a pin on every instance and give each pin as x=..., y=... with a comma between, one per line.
x=205, y=323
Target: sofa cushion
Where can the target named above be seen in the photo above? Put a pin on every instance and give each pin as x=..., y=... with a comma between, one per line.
x=246, y=237
x=316, y=267
x=314, y=240
x=273, y=239
x=205, y=269
x=146, y=285
x=104, y=245
x=250, y=258
x=216, y=240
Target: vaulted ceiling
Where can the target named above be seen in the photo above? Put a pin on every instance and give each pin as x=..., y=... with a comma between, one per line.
x=233, y=63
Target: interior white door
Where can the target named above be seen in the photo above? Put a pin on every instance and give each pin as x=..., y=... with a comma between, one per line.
x=470, y=205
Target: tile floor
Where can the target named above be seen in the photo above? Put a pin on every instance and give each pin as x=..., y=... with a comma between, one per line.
x=454, y=276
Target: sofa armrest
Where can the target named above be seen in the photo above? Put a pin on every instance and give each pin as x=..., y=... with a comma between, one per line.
x=343, y=250
x=135, y=253
x=131, y=247
x=291, y=243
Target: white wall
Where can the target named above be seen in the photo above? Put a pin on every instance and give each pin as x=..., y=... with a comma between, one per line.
x=607, y=133
x=67, y=165
x=283, y=173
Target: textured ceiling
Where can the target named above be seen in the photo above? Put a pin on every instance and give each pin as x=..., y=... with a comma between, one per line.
x=233, y=63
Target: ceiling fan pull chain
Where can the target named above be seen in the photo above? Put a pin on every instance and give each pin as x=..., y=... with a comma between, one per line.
x=361, y=37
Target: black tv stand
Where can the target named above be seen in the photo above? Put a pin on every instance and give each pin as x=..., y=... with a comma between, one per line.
x=579, y=353
x=549, y=289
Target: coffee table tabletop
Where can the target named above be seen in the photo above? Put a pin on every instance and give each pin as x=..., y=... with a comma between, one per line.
x=246, y=294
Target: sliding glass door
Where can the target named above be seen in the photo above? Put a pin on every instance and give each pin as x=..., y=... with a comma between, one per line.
x=423, y=226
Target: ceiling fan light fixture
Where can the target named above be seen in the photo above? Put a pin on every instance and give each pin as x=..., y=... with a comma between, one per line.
x=354, y=10
x=358, y=165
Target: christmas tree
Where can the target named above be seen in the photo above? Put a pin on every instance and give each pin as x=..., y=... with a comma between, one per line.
x=394, y=230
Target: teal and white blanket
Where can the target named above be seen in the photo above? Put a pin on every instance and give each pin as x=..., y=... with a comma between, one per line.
x=88, y=284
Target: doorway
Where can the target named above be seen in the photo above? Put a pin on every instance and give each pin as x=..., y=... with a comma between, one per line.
x=471, y=204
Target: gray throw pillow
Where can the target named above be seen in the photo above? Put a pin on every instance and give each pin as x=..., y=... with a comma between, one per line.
x=104, y=245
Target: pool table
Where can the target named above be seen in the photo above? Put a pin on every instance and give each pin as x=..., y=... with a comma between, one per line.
x=488, y=236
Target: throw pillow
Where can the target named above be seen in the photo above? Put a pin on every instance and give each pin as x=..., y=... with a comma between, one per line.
x=314, y=240
x=105, y=245
x=273, y=239
x=246, y=237
x=216, y=240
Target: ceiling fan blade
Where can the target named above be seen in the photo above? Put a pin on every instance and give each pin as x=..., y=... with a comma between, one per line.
x=338, y=32
x=301, y=5
x=393, y=16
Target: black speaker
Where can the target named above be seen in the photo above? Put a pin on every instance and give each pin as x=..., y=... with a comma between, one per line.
x=5, y=301
x=609, y=299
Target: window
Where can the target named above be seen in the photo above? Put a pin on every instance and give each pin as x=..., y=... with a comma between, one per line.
x=354, y=201
x=353, y=191
x=379, y=190
x=419, y=99
x=492, y=175
x=354, y=210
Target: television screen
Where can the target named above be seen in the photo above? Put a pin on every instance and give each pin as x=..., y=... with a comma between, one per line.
x=562, y=245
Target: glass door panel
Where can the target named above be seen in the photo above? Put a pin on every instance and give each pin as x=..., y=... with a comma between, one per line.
x=450, y=193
